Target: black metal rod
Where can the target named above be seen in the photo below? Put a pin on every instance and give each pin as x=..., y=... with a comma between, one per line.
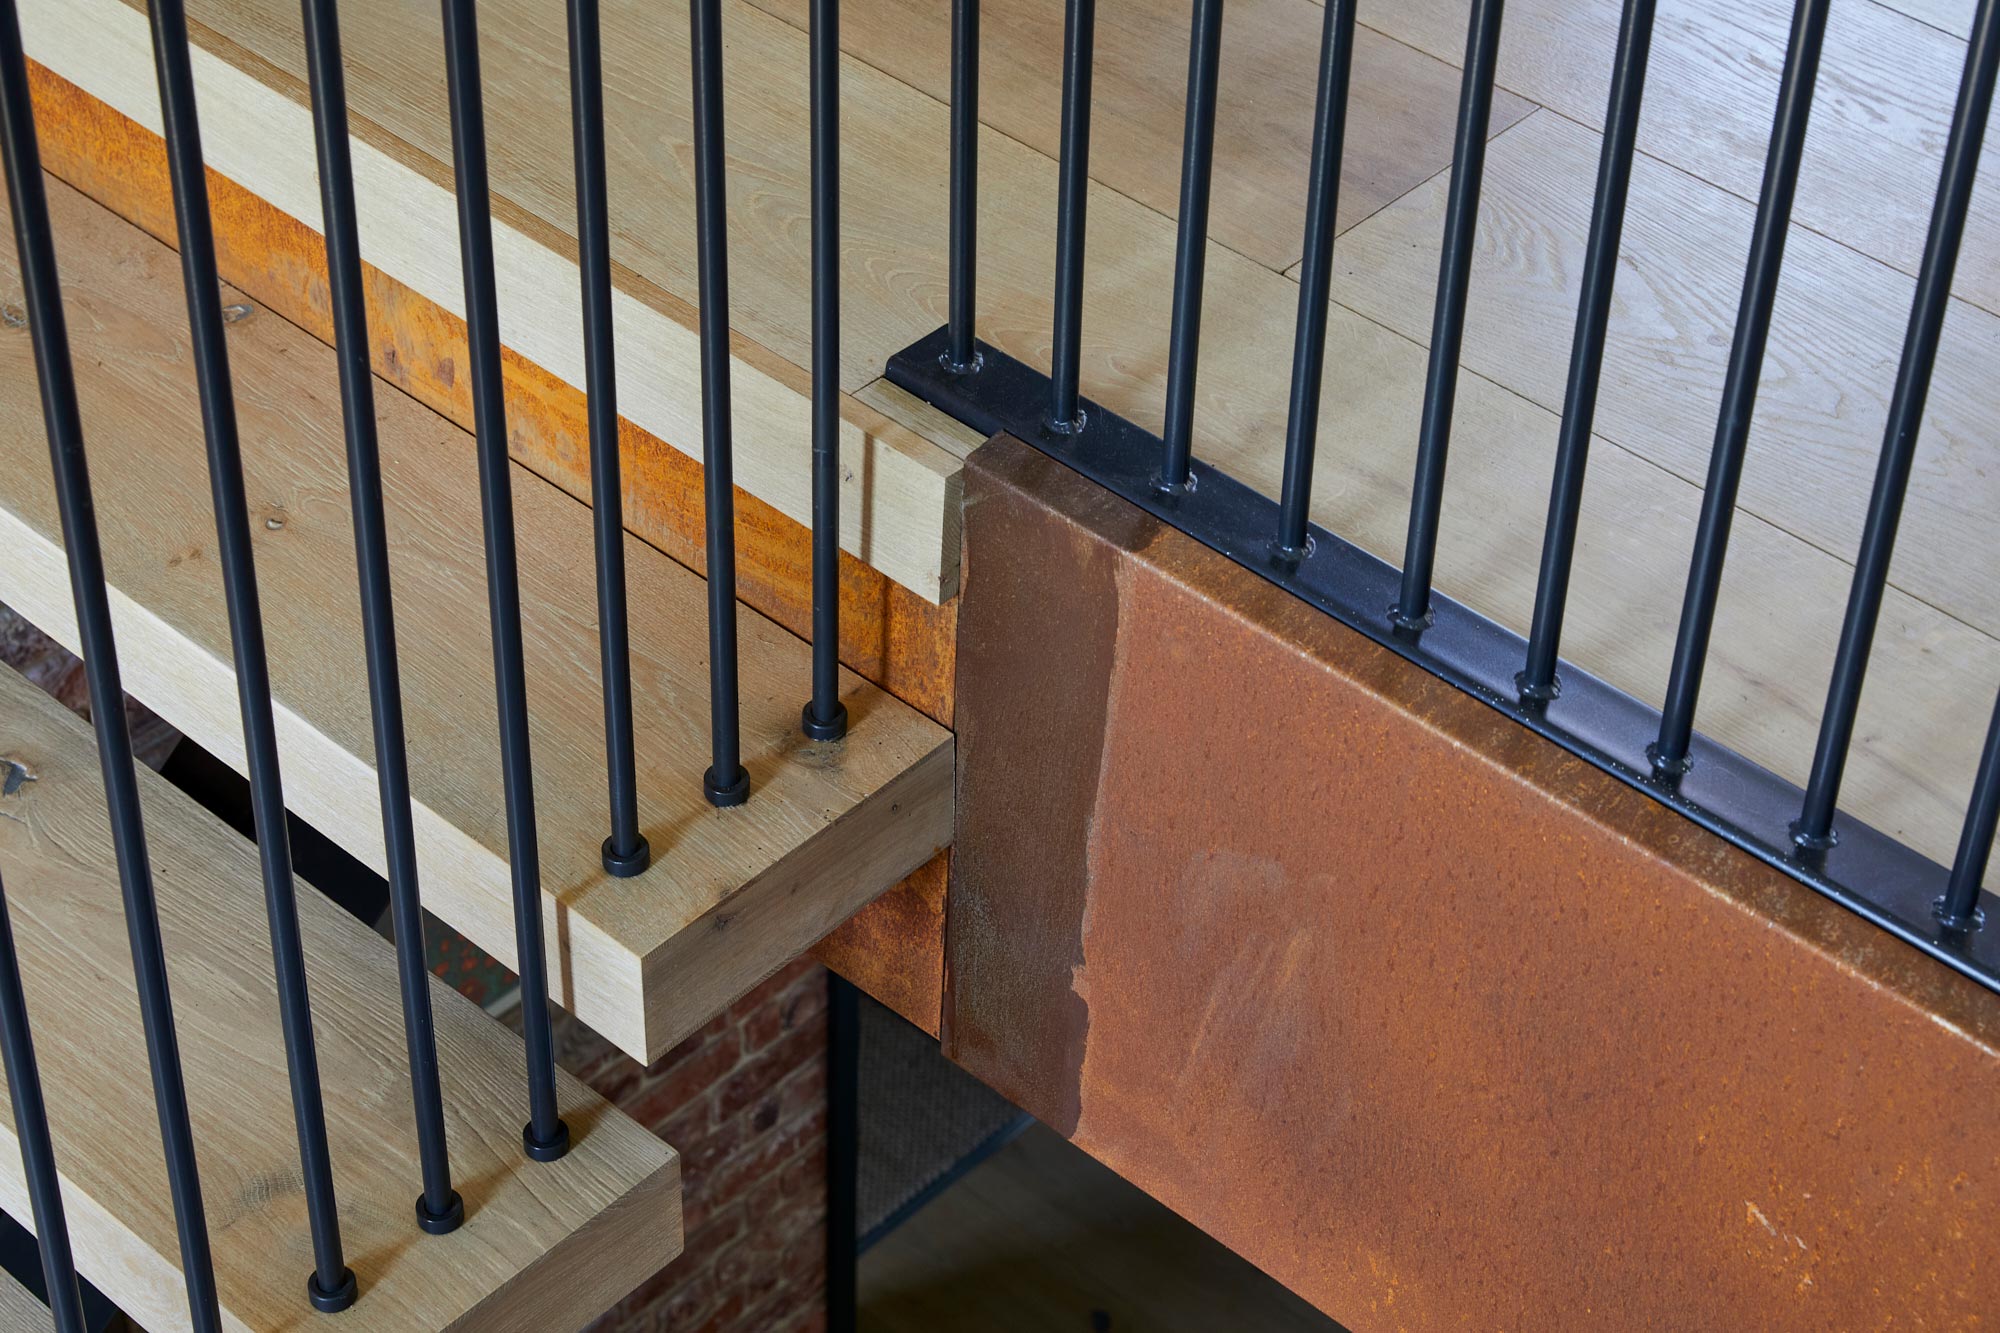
x=1586, y=356
x=825, y=717
x=726, y=783
x=843, y=1156
x=1461, y=223
x=63, y=423
x=962, y=354
x=332, y=1285
x=1191, y=244
x=545, y=1136
x=1739, y=390
x=1336, y=63
x=1958, y=908
x=1906, y=416
x=625, y=852
x=439, y=1208
x=1072, y=198
x=31, y=1126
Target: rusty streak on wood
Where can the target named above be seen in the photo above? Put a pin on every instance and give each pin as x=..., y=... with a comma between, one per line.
x=889, y=635
x=1439, y=1025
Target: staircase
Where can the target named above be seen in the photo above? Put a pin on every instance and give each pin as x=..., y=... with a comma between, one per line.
x=645, y=953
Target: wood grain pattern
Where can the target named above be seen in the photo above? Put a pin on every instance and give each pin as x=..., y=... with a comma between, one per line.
x=732, y=895
x=1883, y=106
x=544, y=1246
x=1400, y=111
x=897, y=514
x=20, y=1312
x=1836, y=338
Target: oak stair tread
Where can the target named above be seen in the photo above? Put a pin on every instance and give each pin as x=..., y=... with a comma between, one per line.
x=544, y=1246
x=732, y=894
x=20, y=1311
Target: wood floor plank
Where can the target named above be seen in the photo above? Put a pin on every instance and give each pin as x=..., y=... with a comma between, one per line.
x=544, y=1246
x=1886, y=88
x=1952, y=16
x=732, y=895
x=20, y=1311
x=1837, y=335
x=1400, y=117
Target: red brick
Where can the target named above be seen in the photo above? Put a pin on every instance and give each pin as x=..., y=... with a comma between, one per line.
x=766, y=1069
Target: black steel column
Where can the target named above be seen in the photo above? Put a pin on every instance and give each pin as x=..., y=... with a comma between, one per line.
x=1461, y=223
x=1958, y=908
x=961, y=354
x=1336, y=64
x=1814, y=829
x=1669, y=753
x=31, y=1126
x=545, y=1136
x=726, y=783
x=1191, y=245
x=42, y=295
x=331, y=1286
x=1586, y=357
x=439, y=1207
x=825, y=716
x=1072, y=200
x=625, y=851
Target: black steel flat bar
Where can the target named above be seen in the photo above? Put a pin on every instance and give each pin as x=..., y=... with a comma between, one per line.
x=545, y=1137
x=1869, y=872
x=31, y=1127
x=726, y=783
x=1670, y=754
x=824, y=717
x=1461, y=224
x=1586, y=357
x=1336, y=64
x=1072, y=205
x=963, y=240
x=439, y=1207
x=625, y=852
x=1906, y=418
x=63, y=423
x=1191, y=240
x=1958, y=908
x=332, y=1285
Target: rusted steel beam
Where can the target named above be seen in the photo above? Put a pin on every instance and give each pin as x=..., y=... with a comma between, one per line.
x=1437, y=1024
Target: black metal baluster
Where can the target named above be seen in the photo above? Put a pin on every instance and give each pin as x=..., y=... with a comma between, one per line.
x=1461, y=223
x=825, y=716
x=63, y=423
x=1958, y=909
x=1336, y=63
x=31, y=1126
x=1072, y=197
x=545, y=1136
x=1669, y=754
x=1586, y=358
x=726, y=782
x=1814, y=829
x=1191, y=246
x=625, y=852
x=439, y=1207
x=961, y=354
x=331, y=1286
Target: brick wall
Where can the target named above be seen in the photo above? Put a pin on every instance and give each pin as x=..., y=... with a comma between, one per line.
x=744, y=1101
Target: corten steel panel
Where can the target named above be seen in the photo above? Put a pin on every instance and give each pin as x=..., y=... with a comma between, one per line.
x=1439, y=1025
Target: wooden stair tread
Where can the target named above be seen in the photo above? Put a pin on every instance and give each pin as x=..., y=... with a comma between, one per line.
x=732, y=895
x=544, y=1246
x=20, y=1312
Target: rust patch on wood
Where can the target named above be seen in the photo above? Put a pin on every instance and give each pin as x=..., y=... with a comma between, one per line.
x=1436, y=1023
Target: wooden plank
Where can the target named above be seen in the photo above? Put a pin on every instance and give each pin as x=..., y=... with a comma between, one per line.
x=1400, y=115
x=897, y=514
x=889, y=635
x=20, y=1311
x=543, y=1247
x=1886, y=87
x=1836, y=338
x=732, y=894
x=1437, y=1025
